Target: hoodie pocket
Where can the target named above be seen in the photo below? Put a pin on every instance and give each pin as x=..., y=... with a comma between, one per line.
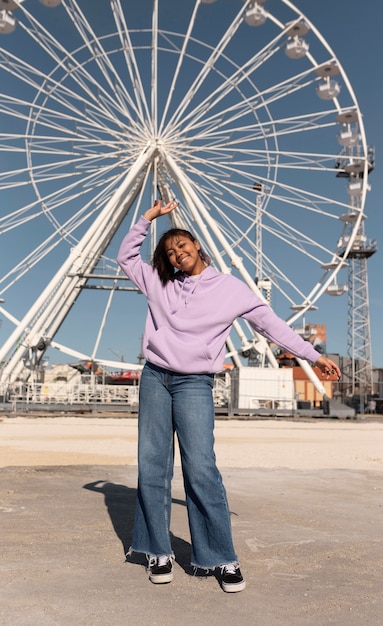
x=179, y=352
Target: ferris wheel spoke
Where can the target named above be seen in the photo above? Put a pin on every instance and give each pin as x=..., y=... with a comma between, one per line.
x=290, y=291
x=74, y=121
x=130, y=60
x=310, y=121
x=274, y=159
x=63, y=196
x=282, y=231
x=67, y=125
x=245, y=105
x=279, y=127
x=50, y=145
x=296, y=197
x=99, y=55
x=295, y=238
x=33, y=258
x=43, y=173
x=17, y=218
x=231, y=83
x=180, y=61
x=261, y=99
x=293, y=160
x=28, y=263
x=305, y=199
x=207, y=67
x=68, y=61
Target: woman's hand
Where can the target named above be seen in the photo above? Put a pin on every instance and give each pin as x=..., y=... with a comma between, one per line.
x=159, y=209
x=327, y=366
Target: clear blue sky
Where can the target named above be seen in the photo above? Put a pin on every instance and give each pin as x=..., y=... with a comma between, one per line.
x=353, y=31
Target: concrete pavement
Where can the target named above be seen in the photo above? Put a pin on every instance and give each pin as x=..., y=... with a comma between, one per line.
x=309, y=541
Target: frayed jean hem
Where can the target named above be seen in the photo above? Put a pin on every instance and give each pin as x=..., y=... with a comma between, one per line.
x=212, y=568
x=148, y=555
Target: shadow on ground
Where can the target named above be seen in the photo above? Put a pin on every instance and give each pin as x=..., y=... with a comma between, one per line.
x=120, y=502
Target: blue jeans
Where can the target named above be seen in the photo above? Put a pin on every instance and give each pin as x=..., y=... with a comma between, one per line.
x=171, y=402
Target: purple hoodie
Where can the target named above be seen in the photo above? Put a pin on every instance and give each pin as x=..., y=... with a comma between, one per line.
x=190, y=318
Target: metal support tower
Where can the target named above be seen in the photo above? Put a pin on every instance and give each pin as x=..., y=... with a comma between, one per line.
x=358, y=330
x=358, y=373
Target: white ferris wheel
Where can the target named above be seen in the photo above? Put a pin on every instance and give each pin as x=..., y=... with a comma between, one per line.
x=239, y=109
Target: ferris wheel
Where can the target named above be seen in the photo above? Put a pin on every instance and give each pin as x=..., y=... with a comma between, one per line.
x=240, y=110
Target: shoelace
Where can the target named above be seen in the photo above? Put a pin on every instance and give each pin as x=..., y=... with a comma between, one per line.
x=230, y=568
x=159, y=560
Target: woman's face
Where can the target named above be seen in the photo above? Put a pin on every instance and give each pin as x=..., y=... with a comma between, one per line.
x=183, y=254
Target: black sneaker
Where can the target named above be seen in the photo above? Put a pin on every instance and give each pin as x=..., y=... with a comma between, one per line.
x=161, y=569
x=231, y=578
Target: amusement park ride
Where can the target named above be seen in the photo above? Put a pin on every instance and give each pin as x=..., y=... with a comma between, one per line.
x=260, y=139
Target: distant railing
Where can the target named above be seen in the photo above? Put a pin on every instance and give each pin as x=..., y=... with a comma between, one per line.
x=75, y=393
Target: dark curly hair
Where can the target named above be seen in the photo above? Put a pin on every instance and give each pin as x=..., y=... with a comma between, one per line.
x=160, y=260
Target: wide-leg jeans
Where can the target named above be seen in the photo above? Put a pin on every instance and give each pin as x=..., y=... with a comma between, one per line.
x=170, y=402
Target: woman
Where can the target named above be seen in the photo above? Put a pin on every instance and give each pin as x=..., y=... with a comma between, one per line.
x=191, y=308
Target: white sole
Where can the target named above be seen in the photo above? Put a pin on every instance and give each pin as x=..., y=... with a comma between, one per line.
x=159, y=579
x=233, y=587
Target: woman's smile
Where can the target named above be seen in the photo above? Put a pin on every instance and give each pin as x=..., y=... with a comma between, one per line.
x=183, y=254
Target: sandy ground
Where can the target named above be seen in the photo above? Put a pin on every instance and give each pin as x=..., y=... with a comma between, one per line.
x=316, y=444
x=306, y=506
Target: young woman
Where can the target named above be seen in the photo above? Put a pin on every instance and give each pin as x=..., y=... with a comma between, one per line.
x=191, y=308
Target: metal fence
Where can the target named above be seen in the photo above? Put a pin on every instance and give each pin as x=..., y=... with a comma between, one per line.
x=71, y=394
